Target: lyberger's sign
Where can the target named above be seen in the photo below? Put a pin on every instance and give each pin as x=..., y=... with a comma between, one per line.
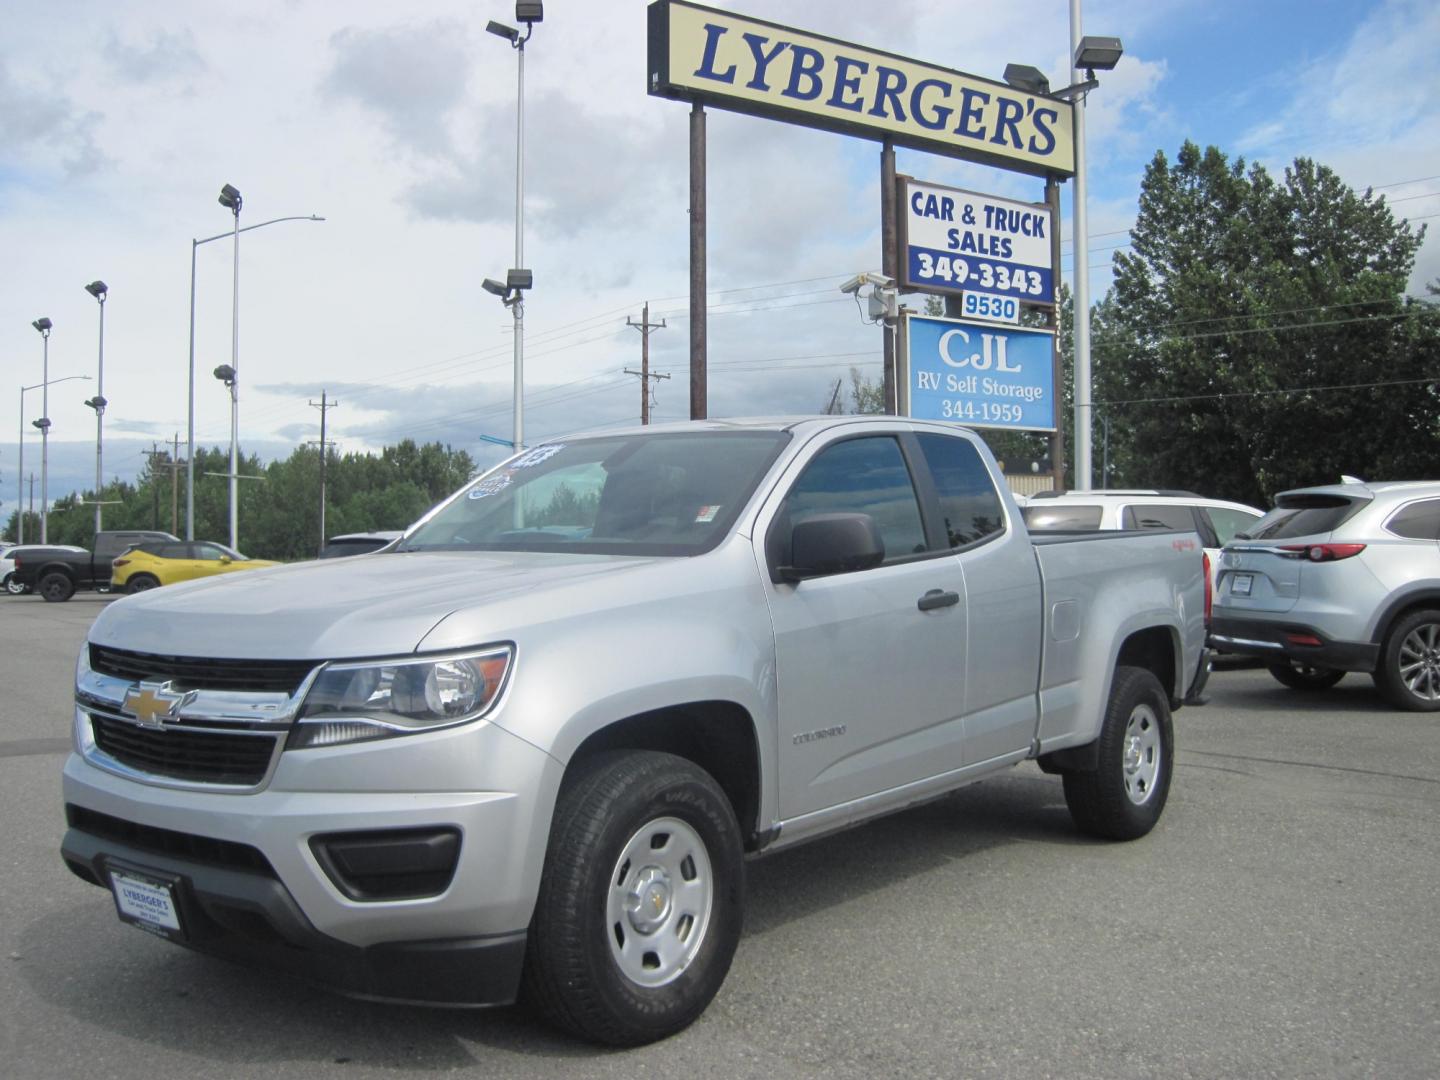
x=735, y=62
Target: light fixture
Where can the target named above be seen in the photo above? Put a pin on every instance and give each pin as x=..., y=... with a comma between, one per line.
x=230, y=198
x=43, y=325
x=1024, y=77
x=43, y=423
x=97, y=403
x=529, y=11
x=1098, y=54
x=499, y=29
x=226, y=374
x=97, y=289
x=519, y=279
x=499, y=288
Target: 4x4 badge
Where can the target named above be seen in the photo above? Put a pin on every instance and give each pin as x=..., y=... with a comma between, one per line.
x=152, y=703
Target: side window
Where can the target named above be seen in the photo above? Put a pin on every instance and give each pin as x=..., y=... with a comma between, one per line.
x=1158, y=517
x=203, y=551
x=862, y=476
x=1227, y=522
x=173, y=551
x=1418, y=521
x=969, y=503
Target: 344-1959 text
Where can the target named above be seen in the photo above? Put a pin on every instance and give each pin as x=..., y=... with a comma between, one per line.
x=980, y=411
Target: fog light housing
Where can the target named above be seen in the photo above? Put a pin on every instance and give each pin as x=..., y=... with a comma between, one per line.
x=389, y=864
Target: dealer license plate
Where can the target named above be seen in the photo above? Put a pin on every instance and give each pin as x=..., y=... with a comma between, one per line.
x=146, y=901
x=1240, y=584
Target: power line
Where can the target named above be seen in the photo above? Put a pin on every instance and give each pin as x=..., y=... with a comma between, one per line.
x=1268, y=393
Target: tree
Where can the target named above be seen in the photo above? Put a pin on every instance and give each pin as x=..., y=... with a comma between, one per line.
x=1257, y=336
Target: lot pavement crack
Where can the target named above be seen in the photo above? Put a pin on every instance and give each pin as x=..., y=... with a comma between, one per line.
x=1316, y=765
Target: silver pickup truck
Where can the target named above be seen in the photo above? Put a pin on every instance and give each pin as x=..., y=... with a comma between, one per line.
x=528, y=748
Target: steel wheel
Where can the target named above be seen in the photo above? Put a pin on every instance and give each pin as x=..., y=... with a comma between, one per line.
x=1420, y=661
x=658, y=907
x=1143, y=754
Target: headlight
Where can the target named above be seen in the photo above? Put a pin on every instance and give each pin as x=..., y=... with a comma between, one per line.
x=380, y=698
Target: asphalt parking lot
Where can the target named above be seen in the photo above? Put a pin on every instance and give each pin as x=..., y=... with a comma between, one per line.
x=1281, y=921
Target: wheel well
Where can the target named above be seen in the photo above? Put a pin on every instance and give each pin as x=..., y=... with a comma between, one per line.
x=1400, y=609
x=1154, y=650
x=718, y=736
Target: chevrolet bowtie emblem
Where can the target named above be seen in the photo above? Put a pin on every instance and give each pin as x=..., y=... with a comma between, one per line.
x=152, y=703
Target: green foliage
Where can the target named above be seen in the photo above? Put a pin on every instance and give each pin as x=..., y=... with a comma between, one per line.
x=1244, y=302
x=279, y=515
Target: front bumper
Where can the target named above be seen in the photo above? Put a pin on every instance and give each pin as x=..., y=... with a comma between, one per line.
x=253, y=880
x=1276, y=640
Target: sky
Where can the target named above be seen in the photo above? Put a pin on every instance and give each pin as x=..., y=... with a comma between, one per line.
x=120, y=121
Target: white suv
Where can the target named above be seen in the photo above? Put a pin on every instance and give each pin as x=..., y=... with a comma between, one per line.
x=1216, y=520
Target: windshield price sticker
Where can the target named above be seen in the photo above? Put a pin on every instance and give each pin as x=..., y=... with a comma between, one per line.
x=956, y=241
x=988, y=306
x=980, y=374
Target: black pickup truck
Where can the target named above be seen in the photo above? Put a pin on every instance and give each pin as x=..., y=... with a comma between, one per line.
x=56, y=572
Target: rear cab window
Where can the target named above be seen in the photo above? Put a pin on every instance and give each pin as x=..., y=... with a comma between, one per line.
x=970, y=507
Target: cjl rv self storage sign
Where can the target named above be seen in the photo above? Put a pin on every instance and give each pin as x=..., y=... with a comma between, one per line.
x=958, y=241
x=980, y=375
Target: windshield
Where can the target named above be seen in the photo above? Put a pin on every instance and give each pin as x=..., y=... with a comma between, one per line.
x=670, y=494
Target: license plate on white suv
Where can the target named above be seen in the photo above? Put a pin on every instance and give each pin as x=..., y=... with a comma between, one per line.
x=1241, y=584
x=146, y=901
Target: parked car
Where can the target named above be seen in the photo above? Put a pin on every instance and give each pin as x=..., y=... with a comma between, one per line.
x=1344, y=577
x=155, y=563
x=56, y=572
x=540, y=737
x=1216, y=520
x=359, y=543
x=12, y=584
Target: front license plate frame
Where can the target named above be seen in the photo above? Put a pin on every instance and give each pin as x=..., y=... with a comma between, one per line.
x=1242, y=584
x=147, y=899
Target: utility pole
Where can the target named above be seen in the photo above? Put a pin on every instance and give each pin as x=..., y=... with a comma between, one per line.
x=645, y=326
x=154, y=454
x=324, y=405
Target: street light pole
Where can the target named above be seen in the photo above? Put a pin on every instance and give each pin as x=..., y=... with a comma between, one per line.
x=99, y=290
x=528, y=12
x=230, y=198
x=190, y=423
x=20, y=524
x=44, y=325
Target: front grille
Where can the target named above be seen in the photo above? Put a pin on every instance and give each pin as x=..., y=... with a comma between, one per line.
x=202, y=673
x=210, y=757
x=203, y=849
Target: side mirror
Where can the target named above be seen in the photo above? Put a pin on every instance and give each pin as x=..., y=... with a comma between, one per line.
x=833, y=544
x=225, y=560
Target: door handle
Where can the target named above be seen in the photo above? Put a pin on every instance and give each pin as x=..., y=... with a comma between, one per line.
x=937, y=598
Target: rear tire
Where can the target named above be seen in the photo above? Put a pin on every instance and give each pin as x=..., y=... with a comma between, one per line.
x=641, y=899
x=1122, y=798
x=1409, y=671
x=141, y=583
x=1298, y=675
x=56, y=587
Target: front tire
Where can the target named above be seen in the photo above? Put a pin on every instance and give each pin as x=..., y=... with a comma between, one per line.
x=1121, y=799
x=56, y=587
x=641, y=899
x=1298, y=675
x=13, y=586
x=1409, y=671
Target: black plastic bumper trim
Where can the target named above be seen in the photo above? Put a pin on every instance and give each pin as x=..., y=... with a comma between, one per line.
x=1269, y=639
x=252, y=919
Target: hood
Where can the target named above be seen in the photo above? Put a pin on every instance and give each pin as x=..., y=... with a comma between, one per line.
x=366, y=605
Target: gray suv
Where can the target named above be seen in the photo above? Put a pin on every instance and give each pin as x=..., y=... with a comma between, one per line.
x=1340, y=578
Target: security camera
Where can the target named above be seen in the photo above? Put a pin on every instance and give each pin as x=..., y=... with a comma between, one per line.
x=865, y=277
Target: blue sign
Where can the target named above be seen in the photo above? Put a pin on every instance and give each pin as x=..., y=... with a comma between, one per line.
x=980, y=375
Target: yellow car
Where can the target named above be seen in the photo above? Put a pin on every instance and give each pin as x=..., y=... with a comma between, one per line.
x=164, y=562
